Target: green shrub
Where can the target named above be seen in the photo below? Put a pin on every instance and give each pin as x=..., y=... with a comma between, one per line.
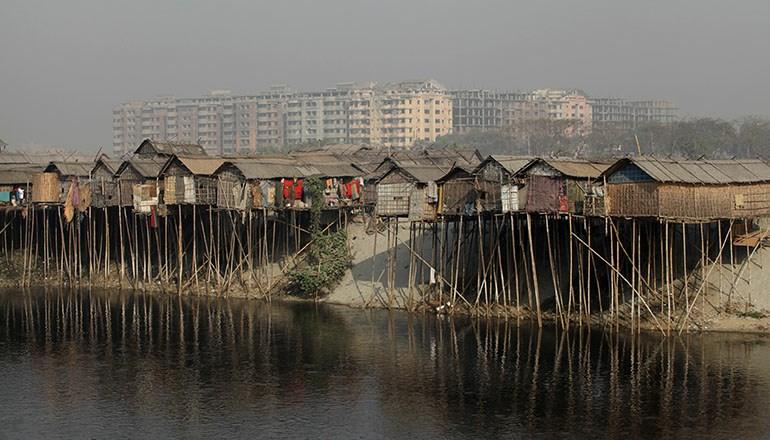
x=328, y=255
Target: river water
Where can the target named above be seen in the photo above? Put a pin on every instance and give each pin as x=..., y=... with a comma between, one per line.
x=80, y=364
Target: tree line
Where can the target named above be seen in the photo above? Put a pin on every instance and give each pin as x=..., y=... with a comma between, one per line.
x=692, y=138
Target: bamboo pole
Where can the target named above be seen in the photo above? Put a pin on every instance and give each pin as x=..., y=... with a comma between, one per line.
x=534, y=270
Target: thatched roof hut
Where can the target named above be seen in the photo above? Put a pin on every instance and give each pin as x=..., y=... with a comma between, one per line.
x=499, y=191
x=190, y=180
x=687, y=190
x=409, y=190
x=458, y=192
x=558, y=185
x=52, y=185
x=264, y=176
x=104, y=186
x=137, y=181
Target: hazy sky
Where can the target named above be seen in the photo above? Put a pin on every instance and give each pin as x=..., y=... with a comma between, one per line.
x=65, y=64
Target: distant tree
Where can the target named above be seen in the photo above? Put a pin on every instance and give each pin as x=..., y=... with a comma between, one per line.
x=753, y=137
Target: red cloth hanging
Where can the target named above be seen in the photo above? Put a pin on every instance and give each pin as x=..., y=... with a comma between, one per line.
x=153, y=219
x=298, y=189
x=288, y=188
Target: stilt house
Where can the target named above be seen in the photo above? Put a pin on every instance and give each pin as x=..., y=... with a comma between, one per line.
x=138, y=183
x=190, y=180
x=458, y=192
x=263, y=179
x=17, y=176
x=104, y=186
x=558, y=185
x=687, y=190
x=53, y=184
x=409, y=191
x=498, y=189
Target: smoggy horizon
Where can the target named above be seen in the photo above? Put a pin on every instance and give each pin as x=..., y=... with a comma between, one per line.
x=68, y=65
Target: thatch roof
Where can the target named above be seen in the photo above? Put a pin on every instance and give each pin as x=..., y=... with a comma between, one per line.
x=147, y=168
x=276, y=168
x=76, y=169
x=418, y=173
x=199, y=166
x=11, y=175
x=575, y=168
x=511, y=164
x=111, y=165
x=709, y=172
x=167, y=148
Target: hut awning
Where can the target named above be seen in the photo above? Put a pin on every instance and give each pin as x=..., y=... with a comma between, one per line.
x=707, y=172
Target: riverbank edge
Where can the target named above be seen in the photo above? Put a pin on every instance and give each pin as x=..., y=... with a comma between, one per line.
x=722, y=323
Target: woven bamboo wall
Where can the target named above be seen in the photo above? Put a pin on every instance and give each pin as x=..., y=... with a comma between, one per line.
x=104, y=193
x=169, y=193
x=205, y=190
x=631, y=199
x=489, y=195
x=393, y=199
x=46, y=188
x=456, y=194
x=709, y=202
x=229, y=180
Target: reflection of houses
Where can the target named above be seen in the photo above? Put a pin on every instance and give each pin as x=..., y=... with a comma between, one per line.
x=557, y=185
x=701, y=190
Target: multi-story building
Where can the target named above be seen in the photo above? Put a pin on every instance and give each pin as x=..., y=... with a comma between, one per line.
x=628, y=114
x=494, y=110
x=393, y=115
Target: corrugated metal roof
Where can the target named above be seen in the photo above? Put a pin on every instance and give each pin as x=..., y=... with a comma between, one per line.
x=80, y=169
x=708, y=172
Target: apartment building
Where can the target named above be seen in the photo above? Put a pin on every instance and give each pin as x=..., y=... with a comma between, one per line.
x=495, y=110
x=392, y=115
x=628, y=114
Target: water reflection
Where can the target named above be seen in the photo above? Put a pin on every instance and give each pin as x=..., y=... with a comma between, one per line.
x=80, y=363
